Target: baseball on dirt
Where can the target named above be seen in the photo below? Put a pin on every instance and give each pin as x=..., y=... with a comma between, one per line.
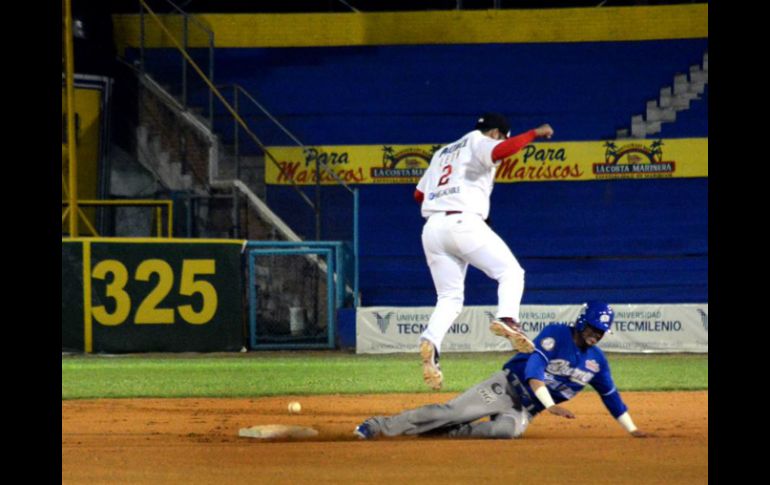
x=294, y=407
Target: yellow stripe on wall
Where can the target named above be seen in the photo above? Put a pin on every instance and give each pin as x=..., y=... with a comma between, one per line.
x=153, y=240
x=434, y=27
x=88, y=343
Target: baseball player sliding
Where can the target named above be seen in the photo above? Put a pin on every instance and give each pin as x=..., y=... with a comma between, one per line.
x=454, y=194
x=565, y=359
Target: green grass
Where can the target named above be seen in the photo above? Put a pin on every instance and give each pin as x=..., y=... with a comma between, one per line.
x=280, y=373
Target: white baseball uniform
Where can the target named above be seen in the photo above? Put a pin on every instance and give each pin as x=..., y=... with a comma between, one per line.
x=456, y=187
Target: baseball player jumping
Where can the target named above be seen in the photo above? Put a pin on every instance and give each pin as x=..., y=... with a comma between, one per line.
x=454, y=195
x=565, y=359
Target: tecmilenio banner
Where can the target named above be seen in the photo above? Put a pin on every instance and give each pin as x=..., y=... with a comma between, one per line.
x=536, y=162
x=637, y=328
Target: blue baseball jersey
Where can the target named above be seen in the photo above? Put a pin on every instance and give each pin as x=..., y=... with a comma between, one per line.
x=565, y=369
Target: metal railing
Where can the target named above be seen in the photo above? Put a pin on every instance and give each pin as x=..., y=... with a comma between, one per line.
x=158, y=204
x=241, y=124
x=215, y=91
x=239, y=92
x=186, y=19
x=239, y=89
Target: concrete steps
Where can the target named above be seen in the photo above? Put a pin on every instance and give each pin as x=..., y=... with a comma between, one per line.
x=672, y=99
x=152, y=155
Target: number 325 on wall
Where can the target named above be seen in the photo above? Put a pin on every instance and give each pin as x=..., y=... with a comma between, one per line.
x=148, y=311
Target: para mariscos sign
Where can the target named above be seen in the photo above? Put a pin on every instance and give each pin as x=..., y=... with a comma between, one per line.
x=536, y=162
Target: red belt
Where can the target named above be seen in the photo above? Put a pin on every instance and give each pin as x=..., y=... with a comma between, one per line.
x=449, y=213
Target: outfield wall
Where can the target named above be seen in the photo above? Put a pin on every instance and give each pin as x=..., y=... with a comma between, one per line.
x=152, y=295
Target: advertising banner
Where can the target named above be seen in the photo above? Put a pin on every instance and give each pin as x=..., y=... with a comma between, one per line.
x=637, y=328
x=536, y=162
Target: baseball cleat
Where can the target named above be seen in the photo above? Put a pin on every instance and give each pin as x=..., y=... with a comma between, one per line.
x=431, y=370
x=364, y=431
x=517, y=338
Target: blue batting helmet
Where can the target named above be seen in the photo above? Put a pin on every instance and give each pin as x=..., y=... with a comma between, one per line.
x=597, y=314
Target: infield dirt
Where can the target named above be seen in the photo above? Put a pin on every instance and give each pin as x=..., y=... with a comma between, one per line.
x=195, y=441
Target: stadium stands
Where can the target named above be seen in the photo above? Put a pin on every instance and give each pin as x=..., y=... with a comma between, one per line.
x=625, y=241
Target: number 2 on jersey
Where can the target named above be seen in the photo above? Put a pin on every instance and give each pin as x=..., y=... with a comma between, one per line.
x=445, y=177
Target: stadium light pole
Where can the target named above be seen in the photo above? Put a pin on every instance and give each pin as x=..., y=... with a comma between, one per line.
x=70, y=93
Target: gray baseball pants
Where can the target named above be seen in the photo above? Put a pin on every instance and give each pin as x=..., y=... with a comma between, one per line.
x=493, y=397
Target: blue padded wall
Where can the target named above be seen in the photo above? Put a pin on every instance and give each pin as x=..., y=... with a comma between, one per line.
x=625, y=241
x=431, y=93
x=622, y=240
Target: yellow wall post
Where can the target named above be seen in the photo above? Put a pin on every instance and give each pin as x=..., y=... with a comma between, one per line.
x=70, y=74
x=170, y=210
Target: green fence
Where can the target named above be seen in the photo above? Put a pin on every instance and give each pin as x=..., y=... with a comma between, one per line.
x=145, y=295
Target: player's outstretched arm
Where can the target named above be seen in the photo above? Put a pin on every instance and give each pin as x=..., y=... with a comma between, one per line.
x=545, y=397
x=560, y=411
x=628, y=424
x=514, y=144
x=544, y=131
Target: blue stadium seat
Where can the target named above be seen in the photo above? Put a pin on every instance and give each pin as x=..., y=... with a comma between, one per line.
x=586, y=90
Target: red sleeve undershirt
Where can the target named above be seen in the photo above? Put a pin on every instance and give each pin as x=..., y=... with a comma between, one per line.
x=512, y=145
x=418, y=196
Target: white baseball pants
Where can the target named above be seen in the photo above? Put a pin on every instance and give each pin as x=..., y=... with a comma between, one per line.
x=451, y=242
